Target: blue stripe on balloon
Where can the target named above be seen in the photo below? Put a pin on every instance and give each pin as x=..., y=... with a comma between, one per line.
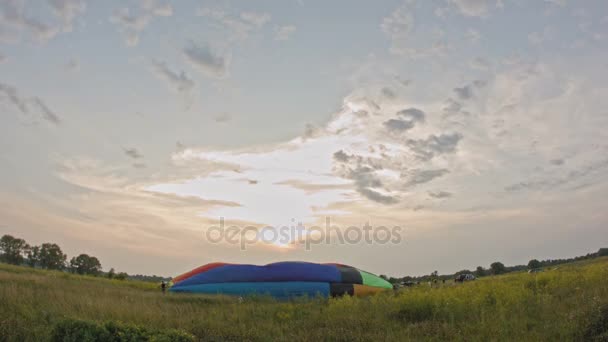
x=279, y=290
x=279, y=272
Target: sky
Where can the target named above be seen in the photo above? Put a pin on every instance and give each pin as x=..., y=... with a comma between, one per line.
x=129, y=129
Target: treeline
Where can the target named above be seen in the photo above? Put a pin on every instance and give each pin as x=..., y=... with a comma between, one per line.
x=498, y=268
x=49, y=256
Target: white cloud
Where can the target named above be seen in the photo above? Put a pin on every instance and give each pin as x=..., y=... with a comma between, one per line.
x=398, y=27
x=132, y=22
x=15, y=22
x=473, y=36
x=472, y=8
x=284, y=32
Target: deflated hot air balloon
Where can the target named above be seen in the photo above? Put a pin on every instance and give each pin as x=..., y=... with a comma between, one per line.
x=281, y=280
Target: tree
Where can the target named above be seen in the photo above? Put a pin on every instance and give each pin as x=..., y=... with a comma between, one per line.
x=111, y=273
x=498, y=268
x=85, y=264
x=12, y=249
x=33, y=256
x=532, y=264
x=480, y=271
x=51, y=257
x=121, y=276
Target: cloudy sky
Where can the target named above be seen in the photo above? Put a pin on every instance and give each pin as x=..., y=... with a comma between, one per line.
x=480, y=127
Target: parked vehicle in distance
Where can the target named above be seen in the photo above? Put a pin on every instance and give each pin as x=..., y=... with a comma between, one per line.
x=464, y=277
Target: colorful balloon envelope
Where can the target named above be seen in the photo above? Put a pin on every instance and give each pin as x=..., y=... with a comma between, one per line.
x=280, y=280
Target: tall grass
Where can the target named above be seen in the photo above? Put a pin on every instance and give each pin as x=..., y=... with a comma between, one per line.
x=550, y=306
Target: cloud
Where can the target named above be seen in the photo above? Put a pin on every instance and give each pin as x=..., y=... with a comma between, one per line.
x=14, y=21
x=366, y=182
x=473, y=36
x=466, y=92
x=255, y=18
x=407, y=119
x=9, y=95
x=398, y=27
x=417, y=177
x=388, y=93
x=239, y=26
x=434, y=145
x=68, y=10
x=158, y=9
x=472, y=8
x=47, y=113
x=179, y=82
x=282, y=33
x=222, y=117
x=207, y=61
x=479, y=63
x=440, y=194
x=132, y=153
x=133, y=22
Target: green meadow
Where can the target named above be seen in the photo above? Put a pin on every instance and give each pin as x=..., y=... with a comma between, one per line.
x=562, y=304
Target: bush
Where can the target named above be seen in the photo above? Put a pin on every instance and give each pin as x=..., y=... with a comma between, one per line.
x=598, y=329
x=73, y=330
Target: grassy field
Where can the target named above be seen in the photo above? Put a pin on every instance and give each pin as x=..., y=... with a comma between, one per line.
x=554, y=305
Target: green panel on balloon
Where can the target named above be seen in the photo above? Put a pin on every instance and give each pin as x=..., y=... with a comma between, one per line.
x=372, y=280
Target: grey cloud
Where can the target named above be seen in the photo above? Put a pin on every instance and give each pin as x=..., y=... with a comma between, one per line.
x=464, y=93
x=452, y=107
x=24, y=105
x=377, y=197
x=434, y=145
x=407, y=119
x=479, y=64
x=47, y=113
x=209, y=62
x=223, y=117
x=396, y=125
x=570, y=177
x=440, y=194
x=423, y=176
x=388, y=93
x=180, y=82
x=132, y=153
x=365, y=180
x=341, y=156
